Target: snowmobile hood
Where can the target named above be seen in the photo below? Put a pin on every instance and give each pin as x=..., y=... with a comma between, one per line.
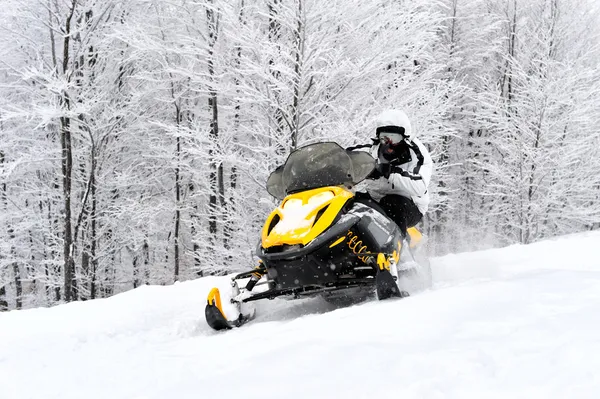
x=302, y=216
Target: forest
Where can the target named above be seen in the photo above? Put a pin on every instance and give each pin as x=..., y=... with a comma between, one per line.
x=136, y=136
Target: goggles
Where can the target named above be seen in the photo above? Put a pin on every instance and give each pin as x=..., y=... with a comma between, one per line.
x=391, y=138
x=390, y=135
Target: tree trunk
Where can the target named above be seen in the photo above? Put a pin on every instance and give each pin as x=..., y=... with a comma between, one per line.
x=3, y=302
x=18, y=286
x=511, y=53
x=31, y=267
x=69, y=264
x=105, y=285
x=16, y=270
x=136, y=271
x=45, y=245
x=70, y=286
x=299, y=50
x=13, y=254
x=93, y=235
x=274, y=37
x=216, y=174
x=54, y=253
x=223, y=205
x=146, y=254
x=177, y=202
x=194, y=231
x=233, y=175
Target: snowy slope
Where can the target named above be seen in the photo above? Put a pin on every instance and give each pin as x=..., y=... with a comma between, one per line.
x=518, y=322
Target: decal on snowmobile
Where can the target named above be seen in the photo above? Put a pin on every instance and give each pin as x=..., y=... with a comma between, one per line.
x=302, y=216
x=337, y=241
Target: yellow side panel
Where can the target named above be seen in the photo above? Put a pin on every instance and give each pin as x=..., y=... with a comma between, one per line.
x=296, y=216
x=415, y=236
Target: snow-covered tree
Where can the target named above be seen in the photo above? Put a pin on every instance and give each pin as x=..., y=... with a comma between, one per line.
x=136, y=137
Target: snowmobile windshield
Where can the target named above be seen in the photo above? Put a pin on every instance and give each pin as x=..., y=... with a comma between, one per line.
x=319, y=165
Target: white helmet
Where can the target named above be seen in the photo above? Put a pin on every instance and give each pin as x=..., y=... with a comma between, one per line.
x=396, y=123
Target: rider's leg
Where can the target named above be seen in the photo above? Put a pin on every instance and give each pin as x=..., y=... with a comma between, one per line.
x=406, y=214
x=401, y=210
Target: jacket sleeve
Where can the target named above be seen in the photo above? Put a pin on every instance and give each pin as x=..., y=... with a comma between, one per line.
x=414, y=182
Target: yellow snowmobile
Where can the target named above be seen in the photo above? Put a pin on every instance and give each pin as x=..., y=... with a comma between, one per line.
x=322, y=239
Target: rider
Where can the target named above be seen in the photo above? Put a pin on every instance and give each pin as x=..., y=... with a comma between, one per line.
x=404, y=167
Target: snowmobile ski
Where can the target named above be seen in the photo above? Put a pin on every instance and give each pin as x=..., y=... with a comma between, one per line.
x=215, y=317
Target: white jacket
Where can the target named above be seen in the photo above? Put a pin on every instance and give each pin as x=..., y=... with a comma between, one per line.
x=410, y=179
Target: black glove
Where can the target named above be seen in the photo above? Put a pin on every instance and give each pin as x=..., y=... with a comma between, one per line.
x=384, y=169
x=374, y=175
x=381, y=170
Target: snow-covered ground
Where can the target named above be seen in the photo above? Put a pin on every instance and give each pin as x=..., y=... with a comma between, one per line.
x=518, y=322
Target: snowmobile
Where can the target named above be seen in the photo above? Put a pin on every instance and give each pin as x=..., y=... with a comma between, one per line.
x=322, y=240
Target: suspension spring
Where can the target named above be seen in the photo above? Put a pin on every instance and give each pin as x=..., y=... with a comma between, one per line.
x=356, y=246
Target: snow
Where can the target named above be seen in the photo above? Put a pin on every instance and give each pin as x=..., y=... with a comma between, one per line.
x=297, y=216
x=518, y=322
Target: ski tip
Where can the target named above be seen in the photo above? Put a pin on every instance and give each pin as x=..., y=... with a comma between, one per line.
x=214, y=298
x=214, y=311
x=215, y=317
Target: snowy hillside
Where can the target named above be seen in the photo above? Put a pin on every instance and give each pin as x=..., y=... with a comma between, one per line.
x=519, y=322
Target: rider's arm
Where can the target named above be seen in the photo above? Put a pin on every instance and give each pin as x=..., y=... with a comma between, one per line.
x=416, y=181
